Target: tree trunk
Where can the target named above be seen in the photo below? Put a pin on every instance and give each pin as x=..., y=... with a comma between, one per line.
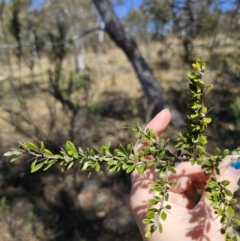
x=150, y=85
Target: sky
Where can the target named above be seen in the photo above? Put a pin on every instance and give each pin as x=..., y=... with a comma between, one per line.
x=120, y=9
x=123, y=9
x=37, y=3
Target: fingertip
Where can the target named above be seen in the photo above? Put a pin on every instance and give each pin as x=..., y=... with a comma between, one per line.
x=157, y=124
x=166, y=113
x=160, y=121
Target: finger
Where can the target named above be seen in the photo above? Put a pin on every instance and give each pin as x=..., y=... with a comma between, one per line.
x=228, y=171
x=158, y=124
x=188, y=178
x=185, y=200
x=140, y=193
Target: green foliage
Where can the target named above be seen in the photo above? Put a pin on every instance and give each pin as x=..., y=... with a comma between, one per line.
x=4, y=207
x=57, y=37
x=222, y=201
x=191, y=146
x=15, y=26
x=210, y=24
x=235, y=108
x=193, y=139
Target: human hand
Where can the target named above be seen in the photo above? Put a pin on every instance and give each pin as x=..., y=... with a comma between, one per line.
x=187, y=220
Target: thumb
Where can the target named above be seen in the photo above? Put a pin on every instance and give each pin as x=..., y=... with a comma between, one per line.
x=229, y=170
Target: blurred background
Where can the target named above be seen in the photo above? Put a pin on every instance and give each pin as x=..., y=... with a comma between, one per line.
x=87, y=71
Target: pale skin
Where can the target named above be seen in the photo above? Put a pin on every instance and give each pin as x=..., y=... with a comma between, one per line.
x=187, y=220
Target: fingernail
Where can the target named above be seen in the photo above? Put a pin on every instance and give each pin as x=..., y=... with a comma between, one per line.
x=236, y=164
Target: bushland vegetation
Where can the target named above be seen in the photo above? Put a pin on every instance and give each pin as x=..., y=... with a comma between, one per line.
x=64, y=77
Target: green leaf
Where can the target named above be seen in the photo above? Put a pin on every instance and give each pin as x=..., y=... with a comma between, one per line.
x=192, y=105
x=161, y=154
x=207, y=120
x=110, y=162
x=23, y=145
x=146, y=221
x=172, y=169
x=192, y=87
x=150, y=163
x=200, y=84
x=225, y=152
x=15, y=158
x=33, y=163
x=153, y=201
x=200, y=149
x=217, y=151
x=121, y=154
x=86, y=165
x=193, y=75
x=37, y=167
x=223, y=230
x=204, y=109
x=160, y=228
x=233, y=201
x=203, y=140
x=48, y=166
x=230, y=211
x=152, y=151
x=97, y=167
x=42, y=147
x=219, y=211
x=107, y=144
x=113, y=169
x=168, y=207
x=236, y=220
x=141, y=169
x=75, y=155
x=163, y=215
x=32, y=147
x=148, y=234
x=58, y=156
x=228, y=193
x=125, y=166
x=193, y=116
x=166, y=199
x=225, y=182
x=152, y=134
x=70, y=165
x=48, y=153
x=150, y=214
x=130, y=168
x=223, y=219
x=103, y=149
x=91, y=152
x=130, y=147
x=70, y=146
x=196, y=65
